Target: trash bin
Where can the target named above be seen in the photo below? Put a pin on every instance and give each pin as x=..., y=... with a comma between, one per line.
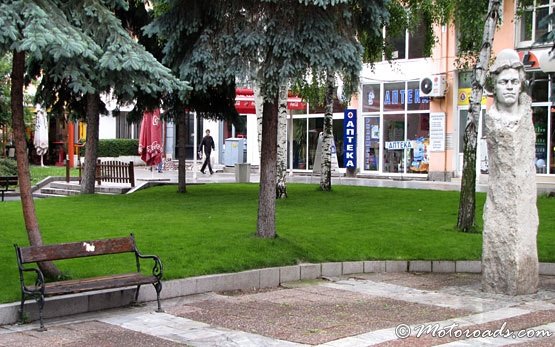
x=243, y=173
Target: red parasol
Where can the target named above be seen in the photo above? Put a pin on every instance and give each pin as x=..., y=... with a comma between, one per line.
x=150, y=139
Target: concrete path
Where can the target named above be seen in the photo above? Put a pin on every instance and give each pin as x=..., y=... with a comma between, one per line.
x=385, y=309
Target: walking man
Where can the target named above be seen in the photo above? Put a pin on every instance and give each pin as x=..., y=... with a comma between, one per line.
x=208, y=143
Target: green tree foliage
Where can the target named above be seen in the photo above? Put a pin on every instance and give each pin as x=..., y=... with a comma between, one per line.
x=5, y=68
x=276, y=41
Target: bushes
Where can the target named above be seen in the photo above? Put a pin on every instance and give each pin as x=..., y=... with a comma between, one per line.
x=8, y=167
x=116, y=147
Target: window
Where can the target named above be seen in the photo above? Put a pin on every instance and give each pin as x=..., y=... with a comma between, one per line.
x=410, y=44
x=529, y=29
x=401, y=145
x=124, y=129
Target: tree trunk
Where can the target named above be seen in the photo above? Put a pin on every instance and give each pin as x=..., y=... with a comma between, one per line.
x=181, y=155
x=325, y=176
x=266, y=225
x=24, y=176
x=258, y=105
x=282, y=139
x=467, y=203
x=91, y=147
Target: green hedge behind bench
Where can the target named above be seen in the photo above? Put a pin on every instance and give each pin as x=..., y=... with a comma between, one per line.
x=116, y=147
x=8, y=167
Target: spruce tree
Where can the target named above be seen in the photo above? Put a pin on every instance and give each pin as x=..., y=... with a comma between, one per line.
x=281, y=40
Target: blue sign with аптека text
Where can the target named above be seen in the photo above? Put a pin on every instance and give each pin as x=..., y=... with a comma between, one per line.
x=350, y=139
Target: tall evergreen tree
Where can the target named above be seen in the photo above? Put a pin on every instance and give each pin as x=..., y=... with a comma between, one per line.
x=281, y=40
x=40, y=30
x=124, y=68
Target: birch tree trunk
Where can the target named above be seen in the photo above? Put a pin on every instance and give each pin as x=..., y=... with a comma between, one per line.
x=258, y=106
x=91, y=147
x=24, y=176
x=325, y=172
x=467, y=203
x=282, y=138
x=266, y=224
x=181, y=155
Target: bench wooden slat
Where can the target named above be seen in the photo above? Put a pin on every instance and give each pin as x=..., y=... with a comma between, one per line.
x=97, y=283
x=6, y=181
x=76, y=249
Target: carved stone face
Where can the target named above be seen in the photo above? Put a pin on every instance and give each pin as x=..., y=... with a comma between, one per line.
x=507, y=87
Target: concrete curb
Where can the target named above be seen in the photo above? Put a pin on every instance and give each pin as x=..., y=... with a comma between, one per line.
x=259, y=278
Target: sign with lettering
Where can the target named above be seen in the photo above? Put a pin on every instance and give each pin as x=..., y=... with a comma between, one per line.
x=437, y=132
x=393, y=145
x=350, y=138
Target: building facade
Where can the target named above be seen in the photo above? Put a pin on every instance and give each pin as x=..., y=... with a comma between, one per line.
x=410, y=112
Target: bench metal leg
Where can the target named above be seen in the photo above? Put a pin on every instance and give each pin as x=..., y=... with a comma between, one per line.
x=158, y=288
x=21, y=319
x=40, y=303
x=136, y=294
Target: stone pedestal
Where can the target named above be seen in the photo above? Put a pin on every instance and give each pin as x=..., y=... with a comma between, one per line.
x=509, y=255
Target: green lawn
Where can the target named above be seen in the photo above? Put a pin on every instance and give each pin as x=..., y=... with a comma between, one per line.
x=211, y=229
x=39, y=173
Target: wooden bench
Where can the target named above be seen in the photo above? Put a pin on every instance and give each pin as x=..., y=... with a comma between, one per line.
x=39, y=289
x=113, y=171
x=5, y=183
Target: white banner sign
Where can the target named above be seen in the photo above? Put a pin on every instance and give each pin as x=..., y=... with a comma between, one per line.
x=437, y=132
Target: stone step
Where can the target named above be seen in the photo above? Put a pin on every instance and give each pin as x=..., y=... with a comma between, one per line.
x=68, y=186
x=73, y=188
x=58, y=192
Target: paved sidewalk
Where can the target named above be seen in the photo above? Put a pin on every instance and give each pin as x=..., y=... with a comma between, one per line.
x=358, y=310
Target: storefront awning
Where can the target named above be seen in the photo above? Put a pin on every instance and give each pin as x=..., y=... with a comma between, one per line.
x=244, y=101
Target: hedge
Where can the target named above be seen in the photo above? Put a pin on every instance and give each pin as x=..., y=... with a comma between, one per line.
x=116, y=147
x=8, y=167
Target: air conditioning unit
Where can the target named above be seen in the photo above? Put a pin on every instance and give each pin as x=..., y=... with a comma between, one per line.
x=433, y=86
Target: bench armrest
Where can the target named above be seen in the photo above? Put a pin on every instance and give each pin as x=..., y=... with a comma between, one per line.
x=39, y=281
x=157, y=269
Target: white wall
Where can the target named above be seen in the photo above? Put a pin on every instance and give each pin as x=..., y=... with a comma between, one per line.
x=253, y=154
x=107, y=127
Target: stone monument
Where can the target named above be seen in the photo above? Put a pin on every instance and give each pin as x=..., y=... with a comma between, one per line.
x=509, y=253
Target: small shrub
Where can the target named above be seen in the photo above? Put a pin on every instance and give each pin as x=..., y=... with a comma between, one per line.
x=8, y=167
x=116, y=147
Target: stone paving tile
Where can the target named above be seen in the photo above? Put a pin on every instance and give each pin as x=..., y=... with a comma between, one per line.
x=92, y=333
x=324, y=315
x=189, y=332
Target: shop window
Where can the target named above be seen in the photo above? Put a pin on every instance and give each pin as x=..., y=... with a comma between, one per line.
x=299, y=144
x=338, y=138
x=394, y=144
x=540, y=126
x=372, y=143
x=396, y=97
x=539, y=86
x=418, y=133
x=371, y=98
x=315, y=127
x=237, y=129
x=529, y=28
